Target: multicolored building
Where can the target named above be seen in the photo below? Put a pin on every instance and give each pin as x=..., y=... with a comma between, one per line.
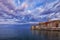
x=50, y=25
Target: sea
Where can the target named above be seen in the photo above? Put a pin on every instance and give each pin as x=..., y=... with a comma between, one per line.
x=24, y=32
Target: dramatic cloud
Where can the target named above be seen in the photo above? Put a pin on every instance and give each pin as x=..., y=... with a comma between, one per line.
x=18, y=11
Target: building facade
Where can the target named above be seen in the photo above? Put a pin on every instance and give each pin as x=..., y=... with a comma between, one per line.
x=50, y=25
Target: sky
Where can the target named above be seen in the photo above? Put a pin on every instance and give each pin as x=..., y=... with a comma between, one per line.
x=23, y=11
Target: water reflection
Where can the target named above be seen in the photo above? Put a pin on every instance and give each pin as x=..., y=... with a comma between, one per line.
x=9, y=32
x=19, y=32
x=47, y=35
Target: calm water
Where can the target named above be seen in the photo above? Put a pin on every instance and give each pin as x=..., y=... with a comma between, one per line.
x=23, y=32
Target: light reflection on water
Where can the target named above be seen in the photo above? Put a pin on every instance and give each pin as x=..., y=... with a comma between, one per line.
x=21, y=32
x=47, y=35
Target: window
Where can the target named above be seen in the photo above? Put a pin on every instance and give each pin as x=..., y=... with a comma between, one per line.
x=57, y=25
